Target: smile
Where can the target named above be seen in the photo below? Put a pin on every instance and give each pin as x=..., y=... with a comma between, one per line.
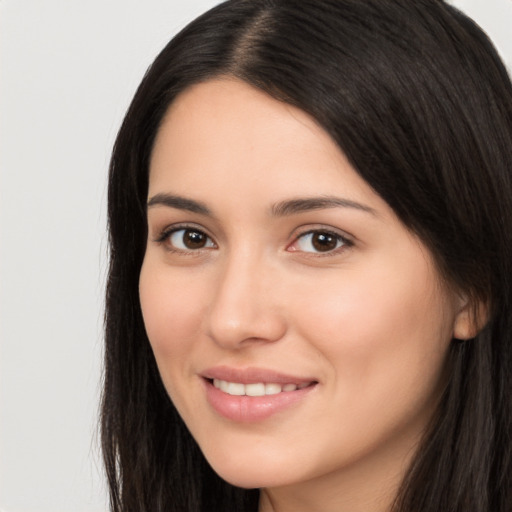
x=254, y=394
x=257, y=388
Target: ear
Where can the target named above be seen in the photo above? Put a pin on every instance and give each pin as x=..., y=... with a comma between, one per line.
x=470, y=319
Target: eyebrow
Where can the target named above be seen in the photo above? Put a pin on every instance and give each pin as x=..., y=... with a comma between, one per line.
x=305, y=204
x=180, y=203
x=281, y=209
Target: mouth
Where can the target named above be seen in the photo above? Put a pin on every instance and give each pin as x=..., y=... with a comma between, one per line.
x=252, y=395
x=257, y=388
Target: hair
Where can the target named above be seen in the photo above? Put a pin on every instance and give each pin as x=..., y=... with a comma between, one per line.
x=416, y=97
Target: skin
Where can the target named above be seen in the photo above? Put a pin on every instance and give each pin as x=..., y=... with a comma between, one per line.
x=371, y=320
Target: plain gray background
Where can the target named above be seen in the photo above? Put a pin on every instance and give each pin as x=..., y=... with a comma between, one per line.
x=68, y=69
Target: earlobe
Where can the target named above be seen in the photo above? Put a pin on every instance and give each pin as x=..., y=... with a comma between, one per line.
x=470, y=320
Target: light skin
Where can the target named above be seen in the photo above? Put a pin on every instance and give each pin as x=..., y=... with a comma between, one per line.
x=266, y=249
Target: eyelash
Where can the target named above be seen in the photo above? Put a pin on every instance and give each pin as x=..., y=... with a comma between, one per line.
x=345, y=242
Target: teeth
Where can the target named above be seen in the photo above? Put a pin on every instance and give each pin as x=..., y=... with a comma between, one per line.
x=256, y=389
x=273, y=389
x=234, y=388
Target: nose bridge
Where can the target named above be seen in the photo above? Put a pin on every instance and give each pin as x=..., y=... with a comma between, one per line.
x=244, y=306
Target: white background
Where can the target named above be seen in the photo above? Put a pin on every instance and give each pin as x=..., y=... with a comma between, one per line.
x=68, y=69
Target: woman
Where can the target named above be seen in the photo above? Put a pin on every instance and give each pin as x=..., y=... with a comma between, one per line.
x=308, y=303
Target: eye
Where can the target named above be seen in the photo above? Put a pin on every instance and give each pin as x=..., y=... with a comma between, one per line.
x=187, y=239
x=319, y=241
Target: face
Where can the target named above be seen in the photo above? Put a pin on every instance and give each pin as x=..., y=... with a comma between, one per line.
x=299, y=328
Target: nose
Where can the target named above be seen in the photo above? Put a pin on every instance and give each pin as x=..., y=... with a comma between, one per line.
x=245, y=309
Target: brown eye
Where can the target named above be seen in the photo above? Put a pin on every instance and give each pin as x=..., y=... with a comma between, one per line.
x=190, y=239
x=194, y=239
x=320, y=241
x=323, y=242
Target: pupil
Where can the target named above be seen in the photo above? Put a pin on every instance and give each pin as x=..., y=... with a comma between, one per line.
x=324, y=242
x=194, y=239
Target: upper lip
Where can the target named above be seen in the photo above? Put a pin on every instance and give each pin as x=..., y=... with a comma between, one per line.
x=253, y=375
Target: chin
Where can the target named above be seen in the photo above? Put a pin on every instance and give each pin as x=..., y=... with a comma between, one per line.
x=252, y=471
x=250, y=478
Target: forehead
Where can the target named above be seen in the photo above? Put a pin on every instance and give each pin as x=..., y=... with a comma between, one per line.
x=226, y=130
x=230, y=114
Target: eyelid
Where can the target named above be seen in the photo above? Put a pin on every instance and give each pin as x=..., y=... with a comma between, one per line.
x=320, y=226
x=164, y=232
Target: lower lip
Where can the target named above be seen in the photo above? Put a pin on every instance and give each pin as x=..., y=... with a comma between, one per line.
x=247, y=409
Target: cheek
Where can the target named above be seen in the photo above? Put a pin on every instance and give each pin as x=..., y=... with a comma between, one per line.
x=381, y=333
x=171, y=308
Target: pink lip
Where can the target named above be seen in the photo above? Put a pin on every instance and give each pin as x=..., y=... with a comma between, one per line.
x=247, y=409
x=253, y=375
